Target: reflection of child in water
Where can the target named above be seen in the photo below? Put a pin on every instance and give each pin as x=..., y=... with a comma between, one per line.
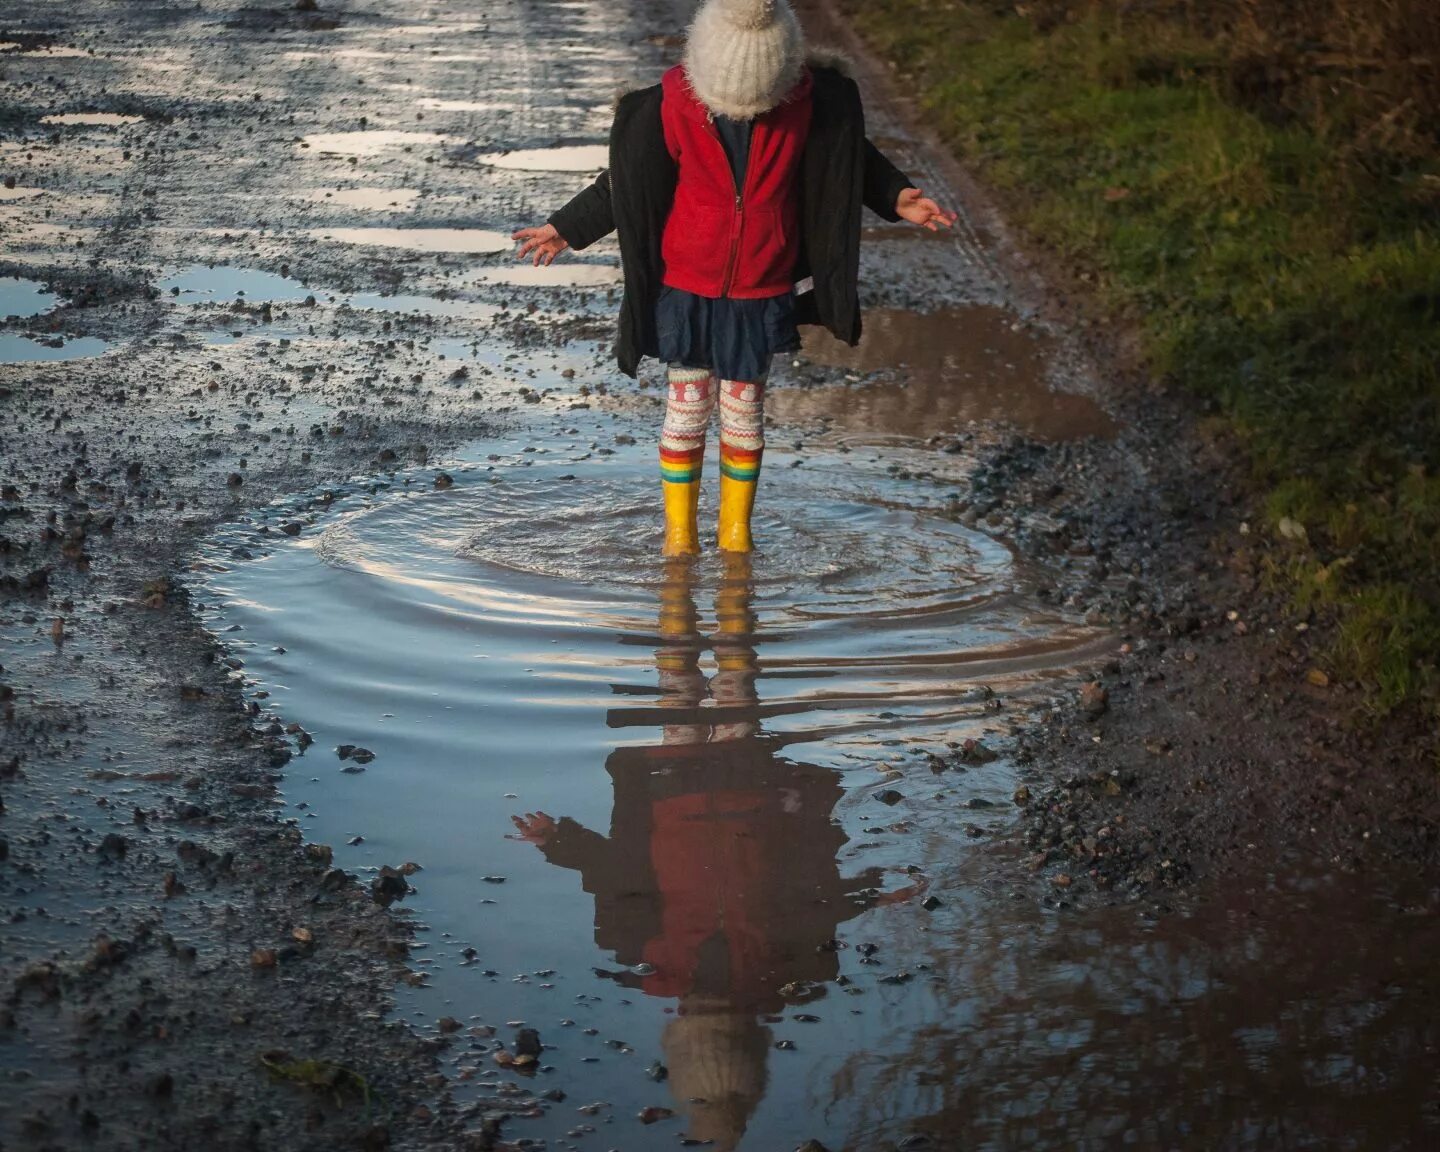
x=720, y=870
x=735, y=186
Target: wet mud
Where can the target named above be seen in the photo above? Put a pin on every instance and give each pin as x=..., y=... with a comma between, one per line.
x=935, y=374
x=369, y=781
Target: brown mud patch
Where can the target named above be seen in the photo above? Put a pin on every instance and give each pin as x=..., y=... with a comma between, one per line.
x=925, y=374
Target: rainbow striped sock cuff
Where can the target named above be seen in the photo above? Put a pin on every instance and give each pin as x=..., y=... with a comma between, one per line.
x=740, y=463
x=681, y=465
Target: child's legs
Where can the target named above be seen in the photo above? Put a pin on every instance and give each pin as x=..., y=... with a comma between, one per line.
x=742, y=428
x=690, y=402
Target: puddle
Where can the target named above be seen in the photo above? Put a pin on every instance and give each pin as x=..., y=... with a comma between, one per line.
x=103, y=119
x=52, y=51
x=225, y=284
x=434, y=105
x=709, y=741
x=369, y=199
x=951, y=368
x=20, y=297
x=574, y=158
x=561, y=275
x=24, y=350
x=368, y=143
x=1223, y=1026
x=436, y=29
x=468, y=240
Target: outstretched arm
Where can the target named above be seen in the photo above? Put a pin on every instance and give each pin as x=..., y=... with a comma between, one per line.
x=584, y=220
x=889, y=194
x=563, y=842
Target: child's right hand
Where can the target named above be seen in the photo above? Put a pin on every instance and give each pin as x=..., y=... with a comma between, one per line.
x=544, y=241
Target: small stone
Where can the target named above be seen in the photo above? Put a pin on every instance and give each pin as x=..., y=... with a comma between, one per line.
x=388, y=887
x=1022, y=796
x=1094, y=699
x=655, y=1114
x=448, y=1024
x=1318, y=678
x=263, y=958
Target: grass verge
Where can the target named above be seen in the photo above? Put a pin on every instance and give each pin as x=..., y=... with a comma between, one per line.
x=1269, y=262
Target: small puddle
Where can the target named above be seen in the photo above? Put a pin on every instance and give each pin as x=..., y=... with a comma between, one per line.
x=950, y=368
x=15, y=349
x=565, y=274
x=573, y=158
x=433, y=105
x=368, y=199
x=226, y=284
x=49, y=51
x=468, y=240
x=20, y=297
x=94, y=119
x=368, y=143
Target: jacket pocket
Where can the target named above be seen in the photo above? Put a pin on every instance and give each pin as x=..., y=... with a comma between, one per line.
x=764, y=256
x=696, y=242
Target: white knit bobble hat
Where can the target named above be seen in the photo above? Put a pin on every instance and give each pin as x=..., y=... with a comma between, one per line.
x=743, y=56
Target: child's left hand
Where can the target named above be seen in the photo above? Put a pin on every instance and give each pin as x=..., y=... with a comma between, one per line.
x=920, y=209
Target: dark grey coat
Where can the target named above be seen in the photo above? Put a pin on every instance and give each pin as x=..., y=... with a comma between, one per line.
x=840, y=171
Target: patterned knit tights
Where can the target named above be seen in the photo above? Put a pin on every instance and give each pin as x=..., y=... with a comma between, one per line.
x=692, y=399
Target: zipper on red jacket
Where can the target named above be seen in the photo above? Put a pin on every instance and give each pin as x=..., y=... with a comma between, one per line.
x=739, y=201
x=734, y=246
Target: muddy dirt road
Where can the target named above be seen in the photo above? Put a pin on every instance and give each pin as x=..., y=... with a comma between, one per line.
x=367, y=779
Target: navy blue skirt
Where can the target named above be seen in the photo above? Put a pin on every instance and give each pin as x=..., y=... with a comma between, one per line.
x=735, y=339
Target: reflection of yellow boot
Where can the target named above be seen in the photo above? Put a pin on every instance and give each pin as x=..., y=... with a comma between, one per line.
x=733, y=685
x=681, y=501
x=739, y=473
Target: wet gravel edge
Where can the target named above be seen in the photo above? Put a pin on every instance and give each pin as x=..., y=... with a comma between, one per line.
x=1213, y=745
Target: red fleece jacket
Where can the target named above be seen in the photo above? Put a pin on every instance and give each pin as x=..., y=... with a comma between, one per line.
x=721, y=240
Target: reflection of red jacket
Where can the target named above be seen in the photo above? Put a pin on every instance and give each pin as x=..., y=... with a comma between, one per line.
x=720, y=870
x=721, y=240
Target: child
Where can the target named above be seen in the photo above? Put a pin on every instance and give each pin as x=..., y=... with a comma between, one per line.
x=735, y=185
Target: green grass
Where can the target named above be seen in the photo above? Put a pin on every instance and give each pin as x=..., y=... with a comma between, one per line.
x=1285, y=275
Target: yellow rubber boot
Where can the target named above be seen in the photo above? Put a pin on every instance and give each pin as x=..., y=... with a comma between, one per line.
x=739, y=473
x=682, y=500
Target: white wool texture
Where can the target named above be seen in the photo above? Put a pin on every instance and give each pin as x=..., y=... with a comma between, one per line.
x=743, y=56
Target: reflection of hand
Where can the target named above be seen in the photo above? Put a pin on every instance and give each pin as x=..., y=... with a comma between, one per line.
x=534, y=827
x=902, y=895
